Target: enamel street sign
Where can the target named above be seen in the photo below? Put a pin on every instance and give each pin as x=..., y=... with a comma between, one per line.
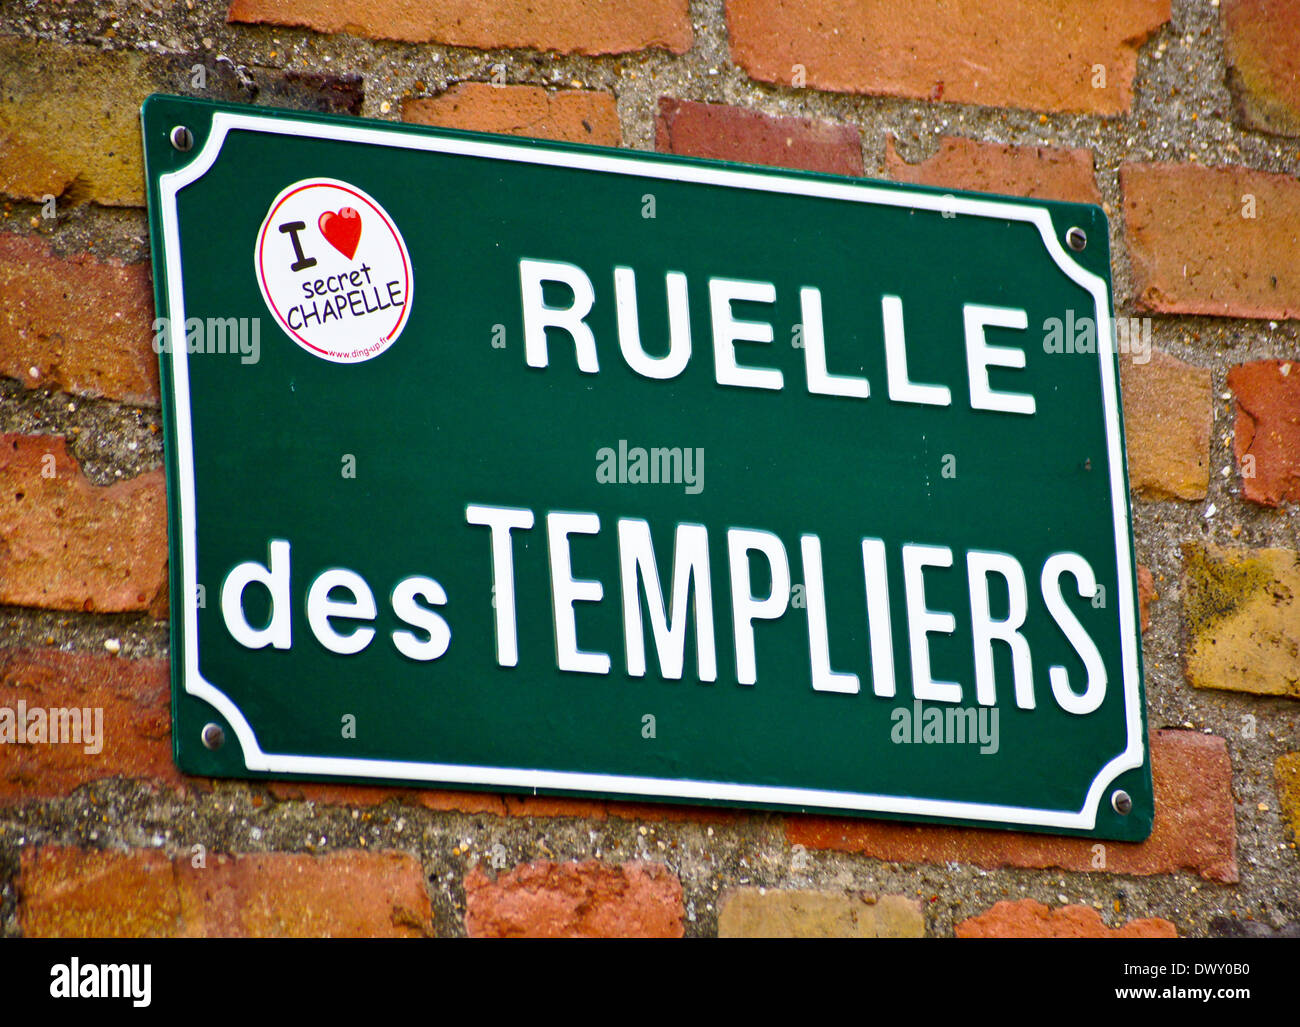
x=504, y=464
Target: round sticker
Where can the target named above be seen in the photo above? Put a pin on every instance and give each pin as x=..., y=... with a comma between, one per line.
x=334, y=270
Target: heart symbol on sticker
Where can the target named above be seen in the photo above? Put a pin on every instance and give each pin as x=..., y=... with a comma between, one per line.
x=342, y=230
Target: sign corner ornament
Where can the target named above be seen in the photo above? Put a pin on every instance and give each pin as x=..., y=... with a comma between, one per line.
x=438, y=411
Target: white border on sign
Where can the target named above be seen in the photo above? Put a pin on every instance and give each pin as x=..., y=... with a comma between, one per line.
x=223, y=122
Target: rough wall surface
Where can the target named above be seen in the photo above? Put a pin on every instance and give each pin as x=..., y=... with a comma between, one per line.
x=1182, y=120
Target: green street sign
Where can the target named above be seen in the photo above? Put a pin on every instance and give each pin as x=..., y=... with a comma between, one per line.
x=506, y=464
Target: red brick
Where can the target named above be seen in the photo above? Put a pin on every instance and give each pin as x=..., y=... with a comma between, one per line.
x=70, y=122
x=288, y=895
x=536, y=806
x=81, y=324
x=599, y=809
x=1193, y=251
x=1041, y=172
x=79, y=893
x=1195, y=828
x=554, y=806
x=733, y=133
x=1263, y=52
x=462, y=802
x=569, y=115
x=160, y=607
x=1168, y=415
x=1030, y=919
x=373, y=795
x=1019, y=53
x=1268, y=429
x=70, y=115
x=66, y=544
x=1147, y=594
x=332, y=794
x=575, y=900
x=805, y=913
x=567, y=26
x=1241, y=610
x=136, y=735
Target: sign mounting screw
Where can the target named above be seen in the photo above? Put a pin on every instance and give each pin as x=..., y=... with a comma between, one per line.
x=213, y=737
x=1122, y=802
x=1076, y=239
x=182, y=138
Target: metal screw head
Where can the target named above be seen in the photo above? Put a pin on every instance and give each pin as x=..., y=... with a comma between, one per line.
x=1076, y=238
x=1122, y=802
x=213, y=736
x=182, y=138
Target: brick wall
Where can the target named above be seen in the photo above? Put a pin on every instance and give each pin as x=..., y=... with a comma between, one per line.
x=1182, y=121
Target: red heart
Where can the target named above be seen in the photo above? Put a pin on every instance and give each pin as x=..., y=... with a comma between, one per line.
x=342, y=230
